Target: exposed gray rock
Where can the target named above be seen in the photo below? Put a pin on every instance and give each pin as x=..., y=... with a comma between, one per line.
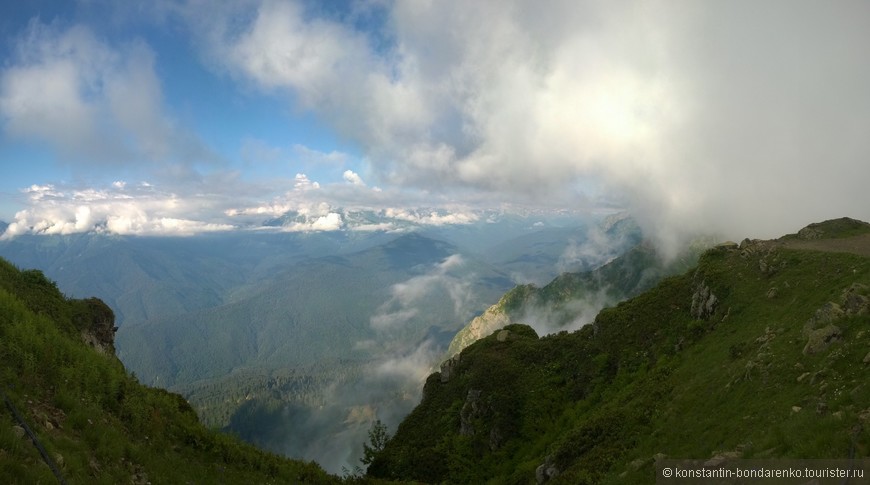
x=855, y=300
x=829, y=313
x=98, y=326
x=470, y=410
x=546, y=471
x=448, y=367
x=703, y=302
x=771, y=293
x=820, y=339
x=809, y=233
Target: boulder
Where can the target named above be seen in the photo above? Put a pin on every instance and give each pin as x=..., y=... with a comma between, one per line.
x=546, y=471
x=855, y=300
x=820, y=339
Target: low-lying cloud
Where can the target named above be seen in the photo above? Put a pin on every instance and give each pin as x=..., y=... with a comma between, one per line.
x=138, y=210
x=407, y=297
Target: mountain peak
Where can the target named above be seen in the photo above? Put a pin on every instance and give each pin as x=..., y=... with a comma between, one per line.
x=832, y=229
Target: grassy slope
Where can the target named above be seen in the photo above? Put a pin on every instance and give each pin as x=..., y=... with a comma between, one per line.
x=98, y=422
x=647, y=378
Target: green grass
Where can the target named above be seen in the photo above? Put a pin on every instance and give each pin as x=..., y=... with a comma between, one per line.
x=647, y=379
x=97, y=421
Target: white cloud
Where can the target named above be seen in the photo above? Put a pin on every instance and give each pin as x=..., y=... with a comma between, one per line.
x=432, y=218
x=89, y=100
x=353, y=178
x=303, y=183
x=314, y=221
x=701, y=116
x=136, y=211
x=406, y=297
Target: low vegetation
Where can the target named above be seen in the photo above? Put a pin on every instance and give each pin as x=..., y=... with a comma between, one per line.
x=97, y=423
x=759, y=352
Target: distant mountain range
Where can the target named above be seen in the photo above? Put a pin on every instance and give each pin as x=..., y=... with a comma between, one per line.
x=759, y=352
x=278, y=317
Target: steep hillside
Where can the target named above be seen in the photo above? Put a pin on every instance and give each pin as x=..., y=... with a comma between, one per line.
x=759, y=352
x=573, y=299
x=96, y=424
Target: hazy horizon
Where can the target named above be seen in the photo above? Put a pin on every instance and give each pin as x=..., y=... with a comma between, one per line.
x=171, y=117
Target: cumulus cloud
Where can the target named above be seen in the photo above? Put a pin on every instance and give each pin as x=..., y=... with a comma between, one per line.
x=353, y=178
x=91, y=101
x=140, y=210
x=303, y=183
x=329, y=222
x=432, y=218
x=735, y=117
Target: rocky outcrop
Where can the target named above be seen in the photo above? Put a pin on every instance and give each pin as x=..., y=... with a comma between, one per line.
x=97, y=324
x=471, y=409
x=820, y=330
x=819, y=340
x=704, y=302
x=855, y=300
x=491, y=320
x=448, y=368
x=546, y=471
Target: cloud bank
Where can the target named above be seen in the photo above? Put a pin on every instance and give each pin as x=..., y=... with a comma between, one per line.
x=733, y=117
x=739, y=118
x=137, y=210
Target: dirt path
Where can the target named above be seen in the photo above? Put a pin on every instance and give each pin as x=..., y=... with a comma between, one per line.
x=856, y=245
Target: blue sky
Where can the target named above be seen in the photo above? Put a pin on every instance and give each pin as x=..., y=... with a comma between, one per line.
x=176, y=117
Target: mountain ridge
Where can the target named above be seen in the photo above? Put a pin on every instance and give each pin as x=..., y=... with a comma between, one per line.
x=95, y=422
x=758, y=352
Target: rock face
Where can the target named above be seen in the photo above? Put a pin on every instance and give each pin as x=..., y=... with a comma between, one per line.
x=703, y=302
x=97, y=322
x=820, y=330
x=546, y=471
x=448, y=367
x=492, y=319
x=472, y=409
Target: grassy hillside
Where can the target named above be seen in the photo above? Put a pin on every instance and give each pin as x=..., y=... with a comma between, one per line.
x=759, y=352
x=574, y=298
x=96, y=422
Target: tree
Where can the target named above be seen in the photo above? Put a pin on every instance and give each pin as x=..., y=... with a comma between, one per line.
x=378, y=438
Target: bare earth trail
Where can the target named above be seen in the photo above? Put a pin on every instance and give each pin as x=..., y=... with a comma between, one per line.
x=856, y=244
